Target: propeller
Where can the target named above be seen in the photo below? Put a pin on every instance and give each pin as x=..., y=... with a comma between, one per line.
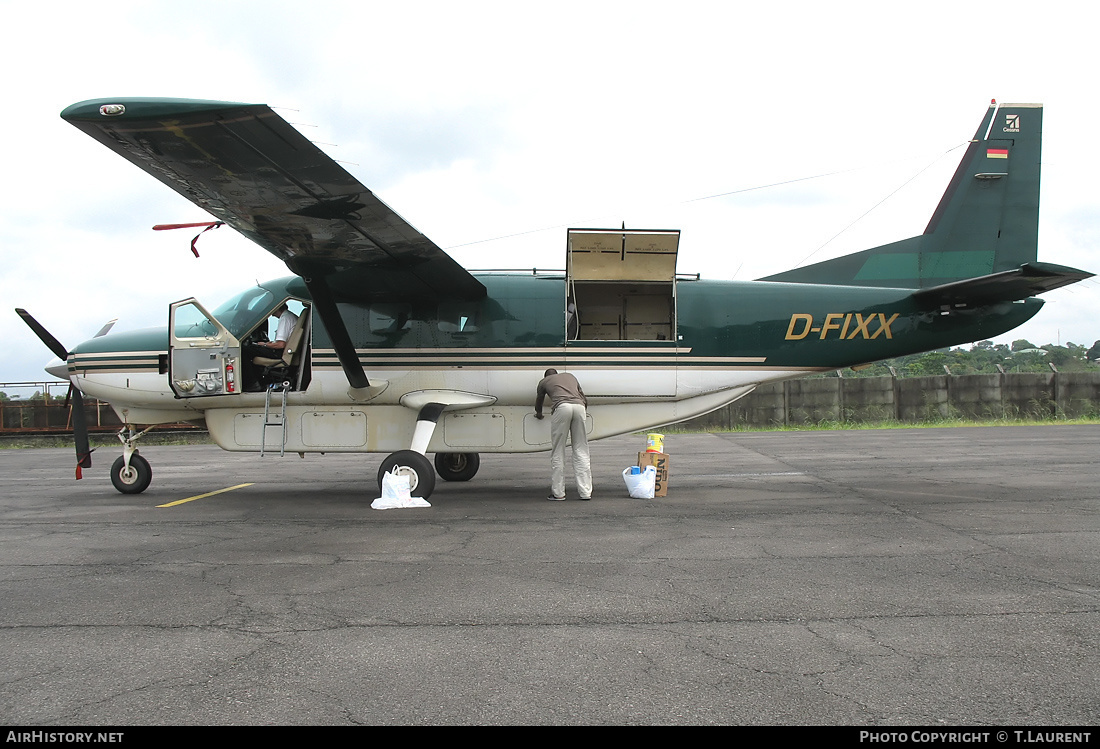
x=80, y=424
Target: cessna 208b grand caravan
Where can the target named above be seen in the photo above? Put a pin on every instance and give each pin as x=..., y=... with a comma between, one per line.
x=400, y=350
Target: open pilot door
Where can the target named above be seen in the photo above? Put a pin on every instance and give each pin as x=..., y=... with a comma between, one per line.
x=203, y=356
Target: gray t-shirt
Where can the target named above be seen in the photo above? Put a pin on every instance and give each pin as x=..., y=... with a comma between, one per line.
x=560, y=388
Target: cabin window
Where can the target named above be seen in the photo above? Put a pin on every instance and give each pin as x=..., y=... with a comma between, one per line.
x=389, y=318
x=458, y=317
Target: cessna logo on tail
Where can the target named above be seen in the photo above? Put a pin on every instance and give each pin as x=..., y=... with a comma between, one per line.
x=841, y=326
x=1012, y=123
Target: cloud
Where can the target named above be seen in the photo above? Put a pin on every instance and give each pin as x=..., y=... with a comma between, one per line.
x=492, y=127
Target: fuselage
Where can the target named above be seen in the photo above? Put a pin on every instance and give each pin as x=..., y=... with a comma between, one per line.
x=689, y=350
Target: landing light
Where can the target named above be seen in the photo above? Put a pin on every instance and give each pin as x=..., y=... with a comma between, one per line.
x=112, y=110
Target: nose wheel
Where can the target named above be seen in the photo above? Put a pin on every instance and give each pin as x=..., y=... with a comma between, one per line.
x=133, y=478
x=131, y=473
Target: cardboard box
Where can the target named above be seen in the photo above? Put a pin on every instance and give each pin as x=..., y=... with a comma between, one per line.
x=660, y=462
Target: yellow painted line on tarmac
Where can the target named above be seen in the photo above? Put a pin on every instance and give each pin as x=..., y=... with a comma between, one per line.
x=208, y=494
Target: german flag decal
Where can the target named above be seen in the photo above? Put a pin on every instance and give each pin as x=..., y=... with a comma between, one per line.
x=996, y=153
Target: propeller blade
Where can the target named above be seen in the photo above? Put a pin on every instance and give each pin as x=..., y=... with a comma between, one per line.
x=80, y=432
x=74, y=397
x=44, y=335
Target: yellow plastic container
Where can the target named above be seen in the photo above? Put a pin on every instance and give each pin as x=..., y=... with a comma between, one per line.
x=655, y=443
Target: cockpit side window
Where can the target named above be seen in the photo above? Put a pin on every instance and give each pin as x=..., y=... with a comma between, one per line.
x=245, y=311
x=190, y=322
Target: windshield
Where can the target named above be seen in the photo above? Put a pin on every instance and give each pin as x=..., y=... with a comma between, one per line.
x=244, y=311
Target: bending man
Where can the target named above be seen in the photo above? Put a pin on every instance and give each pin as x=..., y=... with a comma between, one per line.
x=567, y=420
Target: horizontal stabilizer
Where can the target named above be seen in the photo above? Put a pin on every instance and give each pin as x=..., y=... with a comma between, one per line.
x=1026, y=281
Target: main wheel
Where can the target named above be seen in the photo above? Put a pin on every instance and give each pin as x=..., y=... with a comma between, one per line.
x=134, y=480
x=414, y=465
x=457, y=466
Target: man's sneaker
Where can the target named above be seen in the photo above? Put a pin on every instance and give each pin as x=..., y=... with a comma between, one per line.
x=586, y=498
x=552, y=498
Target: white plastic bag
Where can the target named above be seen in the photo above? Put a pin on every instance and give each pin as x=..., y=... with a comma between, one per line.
x=641, y=485
x=395, y=494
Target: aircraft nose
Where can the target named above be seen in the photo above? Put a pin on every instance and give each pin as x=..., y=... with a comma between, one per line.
x=58, y=369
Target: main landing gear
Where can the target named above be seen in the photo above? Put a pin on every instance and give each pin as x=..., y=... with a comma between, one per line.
x=414, y=464
x=457, y=466
x=449, y=466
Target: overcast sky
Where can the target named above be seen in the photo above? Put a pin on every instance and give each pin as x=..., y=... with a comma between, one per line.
x=492, y=127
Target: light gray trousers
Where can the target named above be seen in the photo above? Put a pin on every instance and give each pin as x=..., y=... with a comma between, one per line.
x=567, y=422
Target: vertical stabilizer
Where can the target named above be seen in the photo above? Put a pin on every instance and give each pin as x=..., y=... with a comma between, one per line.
x=986, y=222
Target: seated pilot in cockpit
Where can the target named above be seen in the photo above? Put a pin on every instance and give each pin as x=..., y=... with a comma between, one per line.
x=259, y=345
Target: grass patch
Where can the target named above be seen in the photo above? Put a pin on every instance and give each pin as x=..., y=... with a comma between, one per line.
x=833, y=425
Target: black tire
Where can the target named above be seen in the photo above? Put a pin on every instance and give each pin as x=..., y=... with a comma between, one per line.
x=138, y=478
x=457, y=466
x=414, y=465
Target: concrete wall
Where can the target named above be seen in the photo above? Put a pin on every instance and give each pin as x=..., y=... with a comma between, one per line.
x=912, y=399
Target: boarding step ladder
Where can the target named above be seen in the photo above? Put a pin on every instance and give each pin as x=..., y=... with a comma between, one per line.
x=274, y=420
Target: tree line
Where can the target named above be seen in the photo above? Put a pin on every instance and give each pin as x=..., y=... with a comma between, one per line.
x=38, y=397
x=986, y=357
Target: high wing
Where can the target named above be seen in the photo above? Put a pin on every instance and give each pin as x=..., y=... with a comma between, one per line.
x=251, y=169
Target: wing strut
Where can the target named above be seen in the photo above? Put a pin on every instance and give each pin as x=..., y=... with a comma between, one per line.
x=325, y=306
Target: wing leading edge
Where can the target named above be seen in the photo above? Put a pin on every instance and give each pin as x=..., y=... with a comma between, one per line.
x=251, y=169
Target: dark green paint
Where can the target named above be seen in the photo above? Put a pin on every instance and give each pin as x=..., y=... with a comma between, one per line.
x=716, y=319
x=971, y=275
x=147, y=108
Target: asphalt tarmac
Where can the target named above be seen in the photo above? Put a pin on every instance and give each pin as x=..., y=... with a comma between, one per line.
x=933, y=577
